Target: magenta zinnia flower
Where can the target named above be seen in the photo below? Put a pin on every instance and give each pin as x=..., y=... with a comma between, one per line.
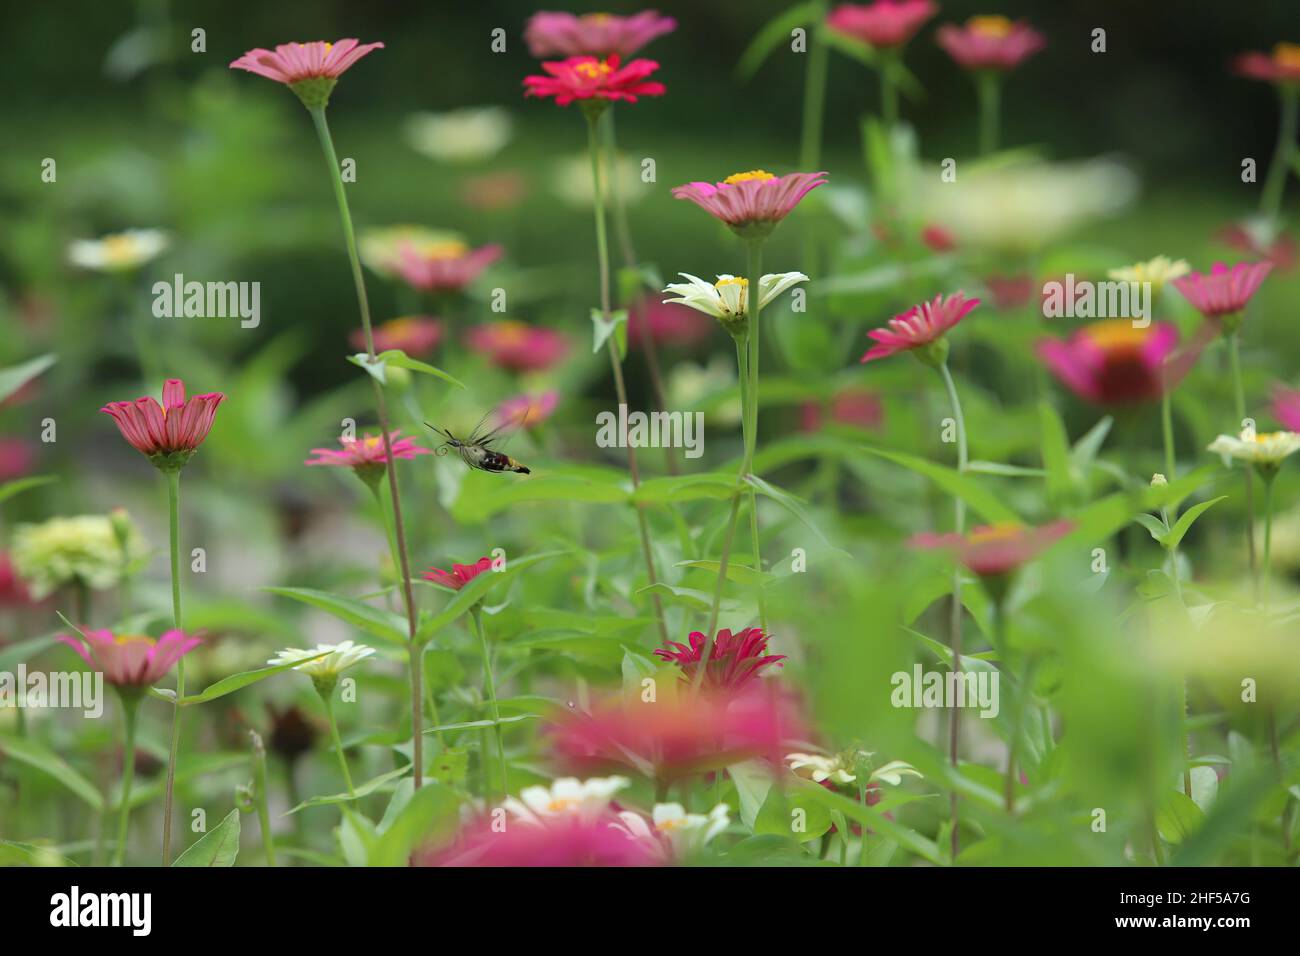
x=1286, y=407
x=593, y=34
x=751, y=203
x=996, y=549
x=16, y=458
x=885, y=23
x=734, y=661
x=167, y=434
x=365, y=455
x=413, y=334
x=528, y=410
x=920, y=328
x=589, y=78
x=309, y=69
x=990, y=43
x=666, y=323
x=132, y=661
x=855, y=407
x=459, y=575
x=513, y=345
x=1223, y=292
x=1115, y=363
x=567, y=841
x=445, y=266
x=1282, y=66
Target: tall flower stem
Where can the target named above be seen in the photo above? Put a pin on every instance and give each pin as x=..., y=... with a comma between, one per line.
x=955, y=620
x=381, y=410
x=888, y=91
x=490, y=689
x=174, y=523
x=130, y=708
x=1270, y=200
x=327, y=698
x=1018, y=730
x=261, y=797
x=989, y=86
x=814, y=95
x=615, y=362
x=1239, y=397
x=755, y=308
x=1167, y=429
x=1266, y=565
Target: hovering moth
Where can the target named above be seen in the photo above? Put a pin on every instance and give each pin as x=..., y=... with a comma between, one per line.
x=477, y=452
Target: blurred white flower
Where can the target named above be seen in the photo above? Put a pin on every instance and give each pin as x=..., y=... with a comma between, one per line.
x=691, y=385
x=685, y=833
x=120, y=251
x=467, y=135
x=839, y=768
x=1264, y=450
x=338, y=658
x=587, y=799
x=571, y=180
x=94, y=550
x=729, y=296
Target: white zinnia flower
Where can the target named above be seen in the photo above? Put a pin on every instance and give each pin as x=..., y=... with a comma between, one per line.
x=588, y=799
x=728, y=298
x=338, y=658
x=819, y=768
x=118, y=252
x=686, y=833
x=1157, y=271
x=460, y=136
x=1264, y=450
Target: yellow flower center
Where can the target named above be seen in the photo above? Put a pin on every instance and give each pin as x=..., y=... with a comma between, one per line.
x=760, y=175
x=596, y=18
x=734, y=280
x=561, y=804
x=1287, y=55
x=510, y=332
x=672, y=824
x=1265, y=437
x=593, y=70
x=997, y=27
x=120, y=248
x=441, y=249
x=121, y=640
x=999, y=531
x=1116, y=335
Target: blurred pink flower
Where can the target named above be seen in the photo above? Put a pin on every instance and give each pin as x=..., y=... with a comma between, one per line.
x=309, y=69
x=365, y=455
x=992, y=550
x=16, y=458
x=1280, y=251
x=852, y=406
x=13, y=592
x=1224, y=290
x=920, y=326
x=413, y=334
x=990, y=43
x=666, y=323
x=885, y=23
x=493, y=191
x=593, y=34
x=567, y=840
x=1282, y=66
x=528, y=410
x=1010, y=292
x=444, y=267
x=735, y=660
x=938, y=239
x=1113, y=362
x=168, y=434
x=132, y=660
x=1286, y=407
x=751, y=203
x=513, y=345
x=459, y=575
x=591, y=78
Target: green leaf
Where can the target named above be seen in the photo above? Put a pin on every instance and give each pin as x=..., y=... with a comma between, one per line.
x=1184, y=524
x=1153, y=524
x=792, y=813
x=685, y=488
x=1178, y=817
x=373, y=620
x=228, y=685
x=480, y=724
x=218, y=847
x=773, y=34
x=853, y=49
x=27, y=751
x=1085, y=450
x=1003, y=470
x=24, y=651
x=955, y=483
x=793, y=505
x=16, y=376
x=1056, y=453
x=430, y=815
x=399, y=359
x=376, y=369
x=476, y=591
x=739, y=573
x=602, y=328
x=364, y=790
x=16, y=487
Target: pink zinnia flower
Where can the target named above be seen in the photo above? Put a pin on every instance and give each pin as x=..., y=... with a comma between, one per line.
x=567, y=841
x=593, y=34
x=1280, y=251
x=365, y=455
x=445, y=266
x=591, y=79
x=168, y=434
x=16, y=458
x=413, y=334
x=1115, y=363
x=885, y=23
x=678, y=735
x=1282, y=66
x=1223, y=293
x=990, y=43
x=938, y=239
x=857, y=407
x=734, y=661
x=132, y=661
x=1010, y=292
x=997, y=549
x=666, y=323
x=920, y=328
x=528, y=410
x=309, y=69
x=493, y=191
x=13, y=592
x=751, y=203
x=513, y=345
x=1286, y=407
x=459, y=575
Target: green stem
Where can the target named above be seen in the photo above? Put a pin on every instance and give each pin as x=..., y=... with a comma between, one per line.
x=1270, y=200
x=174, y=520
x=1239, y=397
x=489, y=686
x=327, y=697
x=989, y=86
x=381, y=409
x=260, y=795
x=814, y=96
x=130, y=708
x=1017, y=731
x=888, y=92
x=1266, y=567
x=1167, y=427
x=615, y=361
x=955, y=619
x=755, y=306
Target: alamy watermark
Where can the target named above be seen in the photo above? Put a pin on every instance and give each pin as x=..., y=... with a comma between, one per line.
x=209, y=300
x=1083, y=299
x=652, y=430
x=935, y=689
x=76, y=690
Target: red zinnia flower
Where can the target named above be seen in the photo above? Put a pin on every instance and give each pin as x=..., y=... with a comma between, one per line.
x=168, y=434
x=131, y=660
x=852, y=406
x=734, y=661
x=992, y=550
x=938, y=239
x=567, y=841
x=528, y=410
x=1223, y=292
x=459, y=575
x=990, y=43
x=309, y=69
x=413, y=334
x=920, y=327
x=513, y=345
x=16, y=458
x=444, y=266
x=885, y=23
x=594, y=79
x=1115, y=363
x=751, y=203
x=365, y=455
x=593, y=34
x=1283, y=66
x=13, y=592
